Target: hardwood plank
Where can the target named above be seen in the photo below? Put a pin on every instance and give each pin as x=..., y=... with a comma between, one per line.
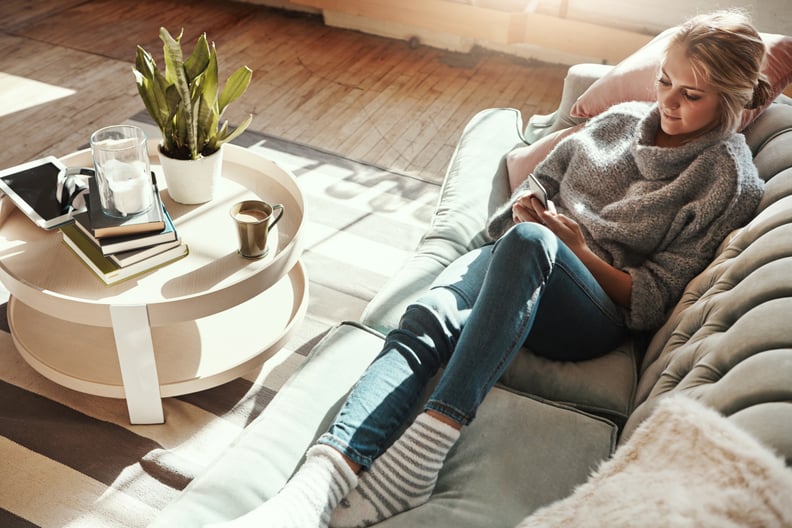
x=113, y=29
x=366, y=97
x=448, y=109
x=17, y=13
x=342, y=111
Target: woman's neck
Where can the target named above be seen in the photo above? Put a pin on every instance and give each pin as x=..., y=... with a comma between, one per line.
x=671, y=141
x=668, y=141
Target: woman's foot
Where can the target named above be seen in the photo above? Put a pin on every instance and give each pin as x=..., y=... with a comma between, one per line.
x=402, y=478
x=308, y=499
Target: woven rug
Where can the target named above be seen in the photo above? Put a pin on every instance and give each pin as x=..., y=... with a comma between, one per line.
x=69, y=459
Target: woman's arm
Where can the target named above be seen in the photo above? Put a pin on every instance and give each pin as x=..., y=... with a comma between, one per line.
x=616, y=283
x=523, y=160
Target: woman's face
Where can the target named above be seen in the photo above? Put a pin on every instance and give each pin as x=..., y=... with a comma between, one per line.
x=688, y=105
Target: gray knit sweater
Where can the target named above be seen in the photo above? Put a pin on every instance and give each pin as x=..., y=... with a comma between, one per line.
x=657, y=213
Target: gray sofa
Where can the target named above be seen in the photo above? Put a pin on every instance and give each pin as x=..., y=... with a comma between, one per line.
x=541, y=432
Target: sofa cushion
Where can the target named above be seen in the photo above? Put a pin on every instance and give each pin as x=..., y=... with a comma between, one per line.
x=604, y=386
x=578, y=79
x=776, y=121
x=518, y=454
x=523, y=160
x=558, y=448
x=769, y=138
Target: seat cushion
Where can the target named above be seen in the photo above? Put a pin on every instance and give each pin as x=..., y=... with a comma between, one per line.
x=518, y=454
x=604, y=386
x=487, y=475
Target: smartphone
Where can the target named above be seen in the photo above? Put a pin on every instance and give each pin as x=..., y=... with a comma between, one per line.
x=537, y=189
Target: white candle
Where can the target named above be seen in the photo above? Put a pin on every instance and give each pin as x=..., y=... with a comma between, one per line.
x=129, y=185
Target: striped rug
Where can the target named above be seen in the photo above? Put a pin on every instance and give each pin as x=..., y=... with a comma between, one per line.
x=73, y=460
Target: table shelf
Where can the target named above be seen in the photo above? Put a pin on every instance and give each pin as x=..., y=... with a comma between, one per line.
x=83, y=358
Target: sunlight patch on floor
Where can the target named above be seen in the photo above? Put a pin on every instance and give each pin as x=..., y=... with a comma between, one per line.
x=20, y=93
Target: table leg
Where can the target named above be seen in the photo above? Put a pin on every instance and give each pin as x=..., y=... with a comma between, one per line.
x=138, y=365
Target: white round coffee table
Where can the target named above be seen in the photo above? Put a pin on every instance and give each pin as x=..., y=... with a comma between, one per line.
x=191, y=325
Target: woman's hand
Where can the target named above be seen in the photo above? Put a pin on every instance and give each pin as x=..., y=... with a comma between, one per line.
x=528, y=208
x=565, y=228
x=616, y=283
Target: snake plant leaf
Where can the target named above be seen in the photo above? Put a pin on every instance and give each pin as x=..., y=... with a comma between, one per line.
x=150, y=86
x=172, y=53
x=151, y=99
x=207, y=125
x=211, y=81
x=199, y=59
x=176, y=73
x=235, y=86
x=206, y=87
x=236, y=132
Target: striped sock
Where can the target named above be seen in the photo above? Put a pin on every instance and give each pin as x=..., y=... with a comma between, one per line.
x=401, y=478
x=307, y=500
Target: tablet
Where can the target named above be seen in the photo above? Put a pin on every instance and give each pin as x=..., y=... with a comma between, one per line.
x=33, y=188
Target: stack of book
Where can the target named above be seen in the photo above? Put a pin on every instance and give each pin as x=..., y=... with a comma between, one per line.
x=119, y=248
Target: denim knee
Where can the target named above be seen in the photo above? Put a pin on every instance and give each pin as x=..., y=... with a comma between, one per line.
x=527, y=236
x=429, y=328
x=526, y=250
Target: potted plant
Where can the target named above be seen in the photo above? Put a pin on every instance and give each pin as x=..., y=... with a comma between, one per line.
x=187, y=104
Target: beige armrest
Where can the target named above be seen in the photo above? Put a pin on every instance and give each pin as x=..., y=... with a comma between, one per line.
x=578, y=79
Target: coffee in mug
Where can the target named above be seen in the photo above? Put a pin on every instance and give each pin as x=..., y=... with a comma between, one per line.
x=253, y=219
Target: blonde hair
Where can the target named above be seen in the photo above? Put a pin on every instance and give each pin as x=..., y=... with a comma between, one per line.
x=727, y=52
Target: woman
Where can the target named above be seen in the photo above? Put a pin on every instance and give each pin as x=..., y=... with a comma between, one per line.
x=640, y=199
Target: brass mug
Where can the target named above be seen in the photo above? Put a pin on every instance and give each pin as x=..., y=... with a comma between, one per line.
x=253, y=219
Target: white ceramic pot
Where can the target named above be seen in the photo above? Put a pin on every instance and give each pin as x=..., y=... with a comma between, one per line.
x=192, y=181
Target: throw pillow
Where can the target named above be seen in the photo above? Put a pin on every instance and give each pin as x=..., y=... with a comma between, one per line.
x=686, y=465
x=634, y=78
x=523, y=160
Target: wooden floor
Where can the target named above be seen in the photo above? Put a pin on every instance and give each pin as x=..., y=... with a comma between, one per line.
x=369, y=98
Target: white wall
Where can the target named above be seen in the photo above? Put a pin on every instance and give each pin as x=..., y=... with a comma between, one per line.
x=641, y=18
x=653, y=16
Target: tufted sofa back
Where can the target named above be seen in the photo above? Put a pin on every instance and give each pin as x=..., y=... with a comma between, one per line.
x=728, y=342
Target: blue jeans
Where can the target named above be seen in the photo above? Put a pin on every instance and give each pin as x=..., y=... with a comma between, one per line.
x=526, y=289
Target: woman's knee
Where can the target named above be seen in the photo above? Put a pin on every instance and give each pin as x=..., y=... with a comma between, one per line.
x=430, y=327
x=441, y=310
x=529, y=232
x=527, y=243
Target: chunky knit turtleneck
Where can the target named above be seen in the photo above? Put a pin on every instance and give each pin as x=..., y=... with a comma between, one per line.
x=657, y=213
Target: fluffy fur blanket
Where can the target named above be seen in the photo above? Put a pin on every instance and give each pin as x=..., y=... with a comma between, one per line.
x=686, y=466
